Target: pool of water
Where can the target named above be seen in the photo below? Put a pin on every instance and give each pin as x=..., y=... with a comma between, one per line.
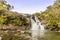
x=45, y=35
x=30, y=35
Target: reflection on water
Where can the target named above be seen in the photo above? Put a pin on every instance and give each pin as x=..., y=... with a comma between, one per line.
x=30, y=35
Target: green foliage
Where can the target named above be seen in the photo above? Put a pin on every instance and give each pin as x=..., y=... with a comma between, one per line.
x=7, y=17
x=4, y=5
x=51, y=17
x=3, y=20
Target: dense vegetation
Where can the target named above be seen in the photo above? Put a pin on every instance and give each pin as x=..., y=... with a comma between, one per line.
x=51, y=17
x=8, y=17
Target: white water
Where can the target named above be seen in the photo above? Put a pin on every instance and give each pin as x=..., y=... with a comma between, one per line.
x=37, y=28
x=35, y=35
x=36, y=25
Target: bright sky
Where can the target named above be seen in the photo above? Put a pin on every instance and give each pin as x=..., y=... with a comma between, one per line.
x=30, y=6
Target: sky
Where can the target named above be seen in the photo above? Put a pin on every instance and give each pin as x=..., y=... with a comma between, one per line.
x=30, y=6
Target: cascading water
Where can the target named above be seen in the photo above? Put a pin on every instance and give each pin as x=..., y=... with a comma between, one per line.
x=36, y=24
x=36, y=28
x=39, y=23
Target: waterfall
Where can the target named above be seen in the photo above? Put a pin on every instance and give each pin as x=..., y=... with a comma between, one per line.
x=37, y=28
x=36, y=24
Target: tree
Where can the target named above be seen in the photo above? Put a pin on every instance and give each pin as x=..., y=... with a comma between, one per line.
x=51, y=17
x=4, y=5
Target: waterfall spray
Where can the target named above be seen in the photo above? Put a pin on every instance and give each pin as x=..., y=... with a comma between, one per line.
x=36, y=24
